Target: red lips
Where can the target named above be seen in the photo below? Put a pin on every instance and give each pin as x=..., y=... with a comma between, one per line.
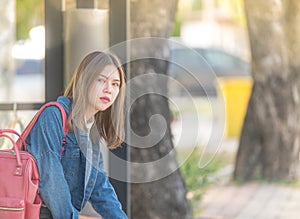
x=105, y=99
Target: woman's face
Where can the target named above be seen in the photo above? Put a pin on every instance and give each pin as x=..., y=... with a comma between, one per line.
x=104, y=90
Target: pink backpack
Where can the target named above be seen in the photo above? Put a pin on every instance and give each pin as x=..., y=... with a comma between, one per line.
x=19, y=177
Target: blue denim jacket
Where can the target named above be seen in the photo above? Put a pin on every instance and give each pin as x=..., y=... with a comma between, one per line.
x=63, y=186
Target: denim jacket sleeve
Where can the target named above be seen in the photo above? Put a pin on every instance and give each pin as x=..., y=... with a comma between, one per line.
x=104, y=199
x=45, y=143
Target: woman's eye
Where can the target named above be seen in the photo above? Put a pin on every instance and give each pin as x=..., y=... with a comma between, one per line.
x=101, y=80
x=116, y=84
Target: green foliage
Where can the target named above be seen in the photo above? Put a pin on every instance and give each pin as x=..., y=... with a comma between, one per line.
x=198, y=179
x=177, y=27
x=197, y=5
x=29, y=14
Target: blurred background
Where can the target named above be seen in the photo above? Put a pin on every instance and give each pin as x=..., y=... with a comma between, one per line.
x=223, y=50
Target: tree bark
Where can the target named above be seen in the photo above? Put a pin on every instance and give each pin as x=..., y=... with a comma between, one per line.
x=162, y=196
x=270, y=140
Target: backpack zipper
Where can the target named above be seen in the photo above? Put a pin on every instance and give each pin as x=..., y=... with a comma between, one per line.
x=14, y=153
x=11, y=209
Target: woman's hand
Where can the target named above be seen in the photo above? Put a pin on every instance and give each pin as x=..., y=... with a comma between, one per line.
x=87, y=217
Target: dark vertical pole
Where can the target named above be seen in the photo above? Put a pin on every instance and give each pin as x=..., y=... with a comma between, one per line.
x=118, y=22
x=54, y=49
x=118, y=27
x=85, y=3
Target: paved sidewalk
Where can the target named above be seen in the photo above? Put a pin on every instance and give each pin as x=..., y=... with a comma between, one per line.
x=251, y=201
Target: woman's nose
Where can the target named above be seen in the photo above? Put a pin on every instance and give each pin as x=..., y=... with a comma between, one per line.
x=107, y=87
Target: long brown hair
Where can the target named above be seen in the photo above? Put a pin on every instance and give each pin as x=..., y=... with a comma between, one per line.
x=109, y=123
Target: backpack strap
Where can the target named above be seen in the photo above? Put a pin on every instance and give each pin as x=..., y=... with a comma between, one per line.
x=29, y=127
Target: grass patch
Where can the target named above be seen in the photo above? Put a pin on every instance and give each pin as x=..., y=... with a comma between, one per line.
x=199, y=179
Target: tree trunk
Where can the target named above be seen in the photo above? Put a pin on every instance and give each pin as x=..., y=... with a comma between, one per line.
x=270, y=140
x=158, y=189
